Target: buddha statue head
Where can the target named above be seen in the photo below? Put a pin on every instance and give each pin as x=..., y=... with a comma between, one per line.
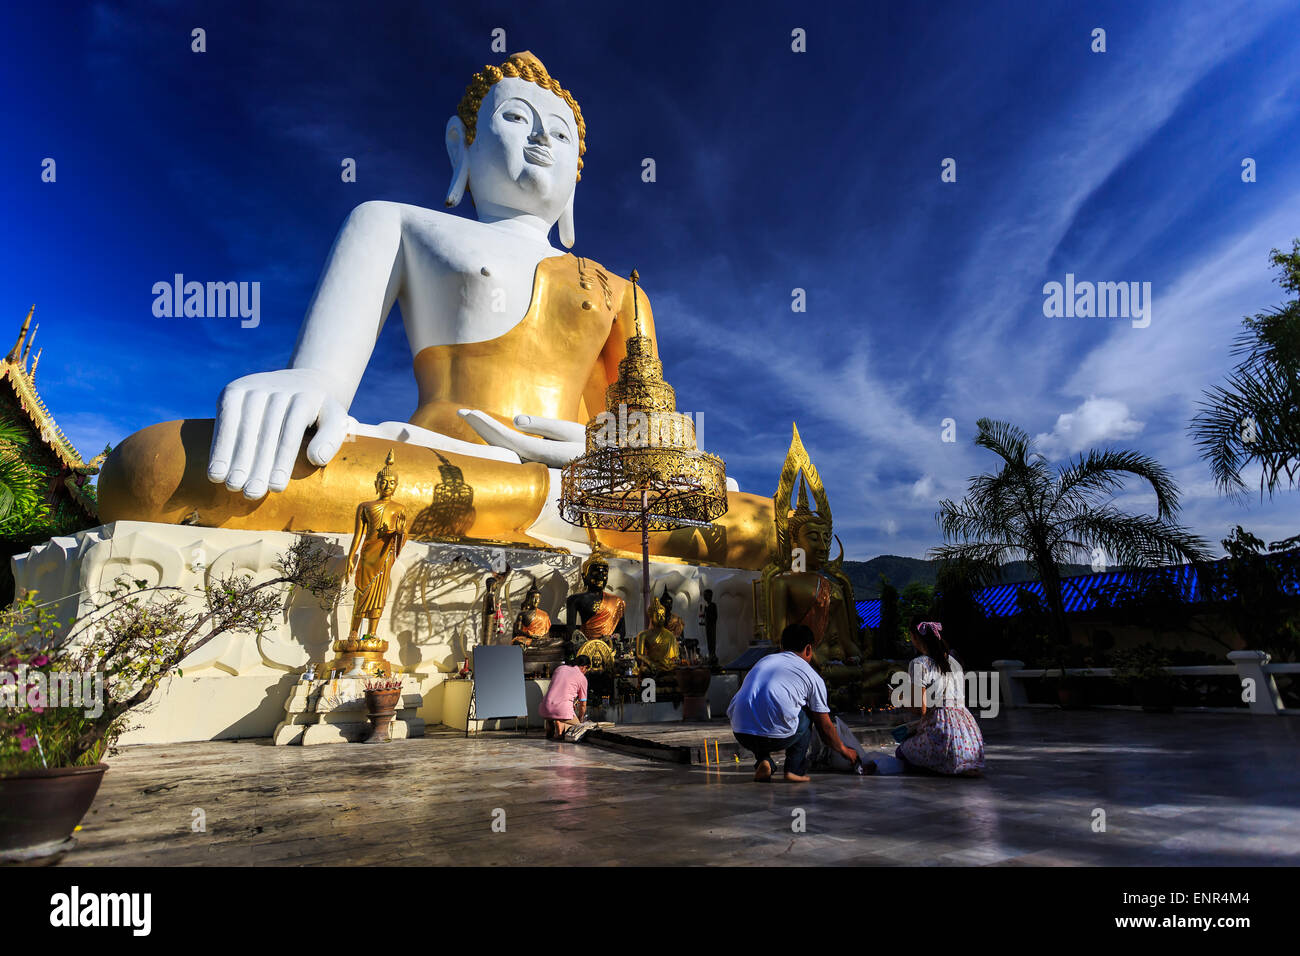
x=386, y=479
x=666, y=602
x=516, y=143
x=810, y=530
x=532, y=599
x=595, y=572
x=659, y=614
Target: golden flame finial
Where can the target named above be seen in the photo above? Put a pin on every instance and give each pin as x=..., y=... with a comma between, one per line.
x=636, y=305
x=16, y=352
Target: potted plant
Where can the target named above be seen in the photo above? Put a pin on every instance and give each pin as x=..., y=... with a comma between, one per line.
x=381, y=707
x=67, y=693
x=1143, y=667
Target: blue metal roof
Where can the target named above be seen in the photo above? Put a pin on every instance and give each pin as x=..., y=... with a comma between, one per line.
x=1080, y=592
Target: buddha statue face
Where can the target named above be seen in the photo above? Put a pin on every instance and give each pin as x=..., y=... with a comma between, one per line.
x=532, y=599
x=385, y=485
x=815, y=538
x=524, y=158
x=596, y=577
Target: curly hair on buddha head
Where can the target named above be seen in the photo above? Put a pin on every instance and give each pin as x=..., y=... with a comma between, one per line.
x=523, y=66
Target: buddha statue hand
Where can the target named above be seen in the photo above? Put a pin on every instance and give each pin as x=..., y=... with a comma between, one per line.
x=284, y=403
x=563, y=441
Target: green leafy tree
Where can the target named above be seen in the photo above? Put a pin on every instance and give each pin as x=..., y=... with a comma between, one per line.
x=1255, y=417
x=1258, y=587
x=1030, y=510
x=917, y=599
x=23, y=507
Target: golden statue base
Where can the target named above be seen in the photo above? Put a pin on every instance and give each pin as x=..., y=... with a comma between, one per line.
x=362, y=657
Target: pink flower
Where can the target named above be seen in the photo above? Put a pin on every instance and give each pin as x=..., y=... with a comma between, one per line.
x=38, y=710
x=25, y=743
x=40, y=660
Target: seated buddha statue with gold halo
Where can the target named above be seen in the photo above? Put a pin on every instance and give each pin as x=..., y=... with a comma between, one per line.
x=594, y=616
x=806, y=587
x=513, y=342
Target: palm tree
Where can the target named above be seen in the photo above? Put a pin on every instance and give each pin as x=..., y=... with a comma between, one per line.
x=1029, y=510
x=1255, y=417
x=22, y=490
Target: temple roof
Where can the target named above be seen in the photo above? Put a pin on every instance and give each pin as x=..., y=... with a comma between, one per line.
x=15, y=371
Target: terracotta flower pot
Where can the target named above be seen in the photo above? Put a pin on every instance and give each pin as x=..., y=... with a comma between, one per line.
x=39, y=809
x=381, y=708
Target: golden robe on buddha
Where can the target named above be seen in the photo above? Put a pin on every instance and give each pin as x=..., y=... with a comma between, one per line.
x=385, y=531
x=556, y=363
x=604, y=618
x=530, y=625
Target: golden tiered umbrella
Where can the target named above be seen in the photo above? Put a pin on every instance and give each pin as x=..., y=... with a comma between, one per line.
x=641, y=468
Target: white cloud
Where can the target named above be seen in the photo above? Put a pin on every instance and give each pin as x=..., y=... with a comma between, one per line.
x=1095, y=422
x=923, y=489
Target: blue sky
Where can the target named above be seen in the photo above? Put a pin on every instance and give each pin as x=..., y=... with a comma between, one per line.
x=776, y=170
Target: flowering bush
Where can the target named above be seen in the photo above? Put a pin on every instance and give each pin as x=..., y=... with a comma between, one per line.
x=66, y=696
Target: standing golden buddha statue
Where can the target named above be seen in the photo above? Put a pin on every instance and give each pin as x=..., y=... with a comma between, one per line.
x=377, y=540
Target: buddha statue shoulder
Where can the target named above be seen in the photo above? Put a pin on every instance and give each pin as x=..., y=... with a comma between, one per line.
x=513, y=344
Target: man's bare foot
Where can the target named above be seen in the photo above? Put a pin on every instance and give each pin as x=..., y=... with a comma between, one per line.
x=796, y=778
x=763, y=772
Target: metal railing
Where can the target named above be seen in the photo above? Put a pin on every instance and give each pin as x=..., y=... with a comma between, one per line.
x=1259, y=690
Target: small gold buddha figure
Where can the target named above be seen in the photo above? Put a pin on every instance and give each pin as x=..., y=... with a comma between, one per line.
x=532, y=623
x=376, y=542
x=657, y=650
x=595, y=615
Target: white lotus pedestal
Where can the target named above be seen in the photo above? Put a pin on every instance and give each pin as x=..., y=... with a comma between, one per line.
x=334, y=712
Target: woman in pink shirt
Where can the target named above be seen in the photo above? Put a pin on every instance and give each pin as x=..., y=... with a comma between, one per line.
x=565, y=703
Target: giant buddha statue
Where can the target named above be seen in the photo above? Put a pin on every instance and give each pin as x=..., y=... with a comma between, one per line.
x=513, y=343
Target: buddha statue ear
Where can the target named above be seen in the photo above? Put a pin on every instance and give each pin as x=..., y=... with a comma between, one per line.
x=458, y=153
x=566, y=222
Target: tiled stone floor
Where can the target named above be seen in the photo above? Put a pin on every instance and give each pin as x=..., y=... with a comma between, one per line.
x=1176, y=789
